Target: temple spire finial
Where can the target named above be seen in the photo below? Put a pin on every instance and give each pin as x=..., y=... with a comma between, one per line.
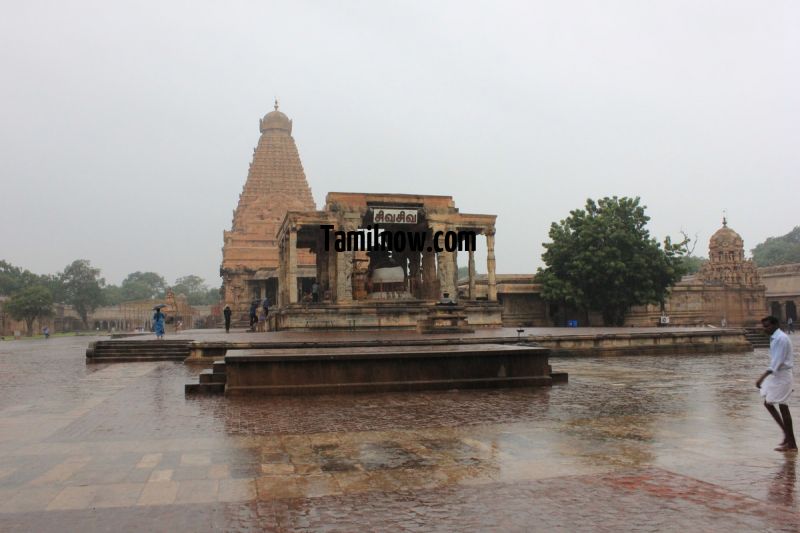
x=276, y=103
x=725, y=218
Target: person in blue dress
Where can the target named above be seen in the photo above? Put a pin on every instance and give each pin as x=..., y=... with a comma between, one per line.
x=158, y=323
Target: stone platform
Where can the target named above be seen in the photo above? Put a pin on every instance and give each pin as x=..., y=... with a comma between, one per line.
x=388, y=368
x=375, y=315
x=205, y=345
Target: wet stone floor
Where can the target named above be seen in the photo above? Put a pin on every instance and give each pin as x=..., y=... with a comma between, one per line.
x=631, y=443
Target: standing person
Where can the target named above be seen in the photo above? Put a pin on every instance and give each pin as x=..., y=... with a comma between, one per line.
x=790, y=324
x=262, y=320
x=315, y=292
x=777, y=382
x=265, y=308
x=253, y=314
x=227, y=314
x=158, y=323
x=46, y=332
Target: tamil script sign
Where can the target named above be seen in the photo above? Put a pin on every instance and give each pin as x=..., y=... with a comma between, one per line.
x=382, y=215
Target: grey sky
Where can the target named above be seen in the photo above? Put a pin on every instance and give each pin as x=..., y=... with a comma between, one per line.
x=126, y=129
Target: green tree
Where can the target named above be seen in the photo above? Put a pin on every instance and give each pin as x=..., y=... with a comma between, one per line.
x=55, y=285
x=778, y=250
x=83, y=288
x=692, y=263
x=213, y=296
x=143, y=286
x=112, y=295
x=13, y=279
x=195, y=290
x=602, y=258
x=30, y=303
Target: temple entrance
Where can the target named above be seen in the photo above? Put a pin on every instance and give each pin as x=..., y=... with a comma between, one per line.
x=775, y=310
x=791, y=311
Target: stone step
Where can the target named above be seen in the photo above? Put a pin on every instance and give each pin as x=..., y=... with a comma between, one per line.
x=149, y=350
x=209, y=376
x=133, y=359
x=109, y=353
x=152, y=341
x=218, y=367
x=757, y=339
x=122, y=351
x=204, y=388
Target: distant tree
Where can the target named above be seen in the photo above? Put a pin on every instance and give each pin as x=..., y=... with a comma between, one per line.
x=13, y=279
x=778, y=250
x=30, y=303
x=195, y=290
x=112, y=295
x=463, y=272
x=602, y=258
x=143, y=286
x=213, y=296
x=55, y=285
x=692, y=263
x=83, y=288
x=189, y=284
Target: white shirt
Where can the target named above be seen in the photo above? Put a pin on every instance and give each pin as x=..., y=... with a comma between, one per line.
x=781, y=354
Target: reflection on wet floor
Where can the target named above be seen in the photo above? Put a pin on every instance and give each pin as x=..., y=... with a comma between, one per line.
x=630, y=442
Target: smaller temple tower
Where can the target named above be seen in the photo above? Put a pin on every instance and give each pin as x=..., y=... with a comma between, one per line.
x=726, y=263
x=727, y=290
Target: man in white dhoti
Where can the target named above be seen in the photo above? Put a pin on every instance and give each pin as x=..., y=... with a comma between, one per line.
x=777, y=382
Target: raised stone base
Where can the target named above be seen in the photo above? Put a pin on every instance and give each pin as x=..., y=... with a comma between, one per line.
x=445, y=319
x=393, y=368
x=366, y=315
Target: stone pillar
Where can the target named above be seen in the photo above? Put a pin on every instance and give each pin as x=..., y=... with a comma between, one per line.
x=472, y=275
x=430, y=287
x=291, y=270
x=441, y=273
x=281, y=273
x=331, y=266
x=414, y=274
x=444, y=269
x=445, y=273
x=454, y=271
x=344, y=267
x=319, y=262
x=490, y=266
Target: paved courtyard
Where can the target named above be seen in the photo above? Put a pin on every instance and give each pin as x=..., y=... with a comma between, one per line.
x=646, y=443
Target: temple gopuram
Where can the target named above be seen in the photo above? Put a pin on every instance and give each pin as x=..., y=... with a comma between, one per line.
x=276, y=183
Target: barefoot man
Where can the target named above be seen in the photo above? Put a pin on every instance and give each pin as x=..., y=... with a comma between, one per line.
x=776, y=383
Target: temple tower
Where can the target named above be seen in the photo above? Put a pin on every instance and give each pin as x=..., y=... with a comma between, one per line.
x=276, y=183
x=726, y=263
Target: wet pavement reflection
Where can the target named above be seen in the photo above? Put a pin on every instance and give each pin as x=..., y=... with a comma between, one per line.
x=648, y=443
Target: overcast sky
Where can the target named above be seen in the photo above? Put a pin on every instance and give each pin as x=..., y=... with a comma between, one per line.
x=126, y=129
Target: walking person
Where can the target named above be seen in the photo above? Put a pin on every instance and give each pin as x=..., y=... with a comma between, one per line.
x=227, y=314
x=777, y=382
x=790, y=325
x=158, y=323
x=253, y=314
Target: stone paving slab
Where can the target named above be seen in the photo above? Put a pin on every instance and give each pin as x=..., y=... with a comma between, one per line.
x=631, y=443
